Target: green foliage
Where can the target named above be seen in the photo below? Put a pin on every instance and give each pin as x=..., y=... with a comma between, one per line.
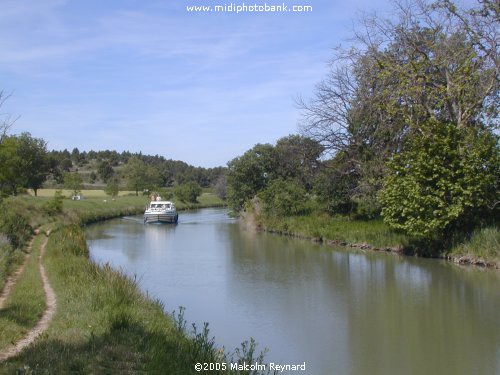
x=14, y=224
x=188, y=192
x=105, y=170
x=34, y=165
x=284, y=198
x=23, y=163
x=73, y=181
x=139, y=175
x=367, y=207
x=297, y=158
x=10, y=162
x=54, y=206
x=446, y=179
x=484, y=243
x=165, y=194
x=249, y=173
x=335, y=187
x=293, y=158
x=112, y=188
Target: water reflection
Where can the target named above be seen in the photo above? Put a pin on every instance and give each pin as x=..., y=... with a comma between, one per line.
x=341, y=311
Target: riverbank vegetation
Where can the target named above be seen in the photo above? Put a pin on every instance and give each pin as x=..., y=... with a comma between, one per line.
x=402, y=129
x=103, y=323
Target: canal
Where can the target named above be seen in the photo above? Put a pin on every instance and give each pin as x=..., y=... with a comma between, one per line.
x=341, y=311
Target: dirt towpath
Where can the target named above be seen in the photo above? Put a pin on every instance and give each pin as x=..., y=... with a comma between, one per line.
x=50, y=303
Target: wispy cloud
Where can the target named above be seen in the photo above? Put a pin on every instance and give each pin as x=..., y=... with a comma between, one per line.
x=134, y=76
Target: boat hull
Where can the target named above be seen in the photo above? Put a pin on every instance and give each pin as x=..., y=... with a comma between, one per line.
x=167, y=218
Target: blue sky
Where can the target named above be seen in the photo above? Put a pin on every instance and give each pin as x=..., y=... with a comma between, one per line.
x=149, y=76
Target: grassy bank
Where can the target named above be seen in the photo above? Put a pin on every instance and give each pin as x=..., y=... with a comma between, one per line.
x=103, y=323
x=338, y=230
x=10, y=259
x=26, y=303
x=482, y=248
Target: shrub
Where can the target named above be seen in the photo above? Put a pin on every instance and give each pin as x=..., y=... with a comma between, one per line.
x=55, y=205
x=188, y=192
x=285, y=198
x=14, y=225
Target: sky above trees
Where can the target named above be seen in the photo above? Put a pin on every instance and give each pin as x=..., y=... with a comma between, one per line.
x=152, y=77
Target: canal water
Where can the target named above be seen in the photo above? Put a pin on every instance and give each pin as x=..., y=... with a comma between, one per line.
x=341, y=311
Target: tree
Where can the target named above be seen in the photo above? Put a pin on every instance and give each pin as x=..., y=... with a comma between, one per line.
x=66, y=165
x=6, y=120
x=297, y=157
x=434, y=62
x=105, y=170
x=113, y=187
x=335, y=186
x=140, y=176
x=34, y=163
x=249, y=173
x=188, y=192
x=220, y=187
x=73, y=181
x=92, y=177
x=446, y=179
x=10, y=161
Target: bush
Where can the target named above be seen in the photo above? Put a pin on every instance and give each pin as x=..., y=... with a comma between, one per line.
x=367, y=207
x=334, y=190
x=285, y=198
x=188, y=192
x=14, y=225
x=55, y=205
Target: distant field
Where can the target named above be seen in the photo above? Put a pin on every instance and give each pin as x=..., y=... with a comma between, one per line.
x=85, y=193
x=93, y=193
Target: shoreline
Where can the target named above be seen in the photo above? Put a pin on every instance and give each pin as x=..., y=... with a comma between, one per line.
x=103, y=309
x=460, y=260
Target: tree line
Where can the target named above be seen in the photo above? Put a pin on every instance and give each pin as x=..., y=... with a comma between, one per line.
x=404, y=125
x=25, y=163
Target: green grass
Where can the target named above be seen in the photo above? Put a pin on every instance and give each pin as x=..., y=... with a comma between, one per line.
x=483, y=244
x=10, y=259
x=26, y=303
x=372, y=232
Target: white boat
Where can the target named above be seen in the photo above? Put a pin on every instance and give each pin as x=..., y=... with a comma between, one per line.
x=160, y=212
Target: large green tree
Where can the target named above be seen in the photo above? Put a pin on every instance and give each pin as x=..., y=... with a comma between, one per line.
x=35, y=165
x=430, y=62
x=249, y=173
x=139, y=175
x=447, y=178
x=10, y=161
x=23, y=163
